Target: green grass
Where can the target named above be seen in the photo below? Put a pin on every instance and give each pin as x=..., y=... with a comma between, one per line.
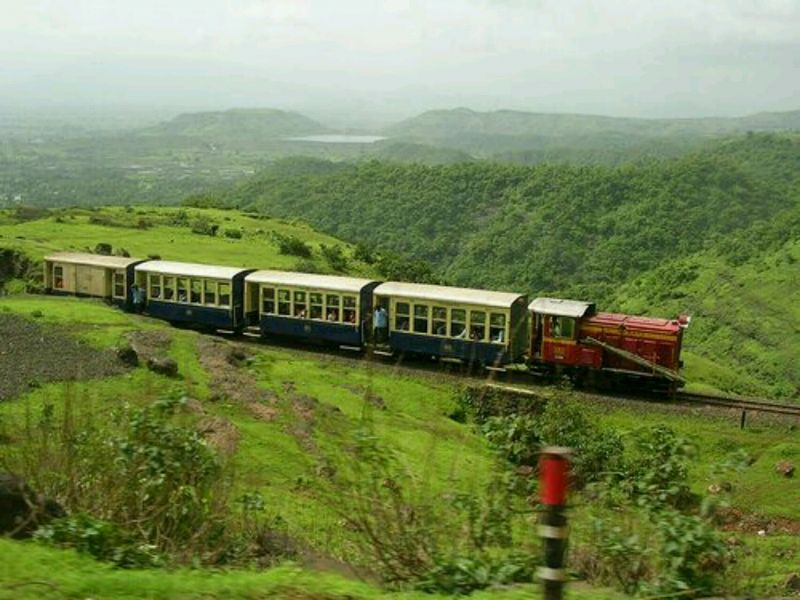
x=744, y=336
x=71, y=229
x=29, y=570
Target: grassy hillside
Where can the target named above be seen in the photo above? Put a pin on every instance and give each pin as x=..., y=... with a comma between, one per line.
x=285, y=423
x=173, y=234
x=566, y=230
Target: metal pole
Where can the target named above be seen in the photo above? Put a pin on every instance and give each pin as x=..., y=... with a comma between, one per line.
x=553, y=484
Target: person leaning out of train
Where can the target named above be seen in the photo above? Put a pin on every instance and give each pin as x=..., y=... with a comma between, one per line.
x=138, y=297
x=381, y=324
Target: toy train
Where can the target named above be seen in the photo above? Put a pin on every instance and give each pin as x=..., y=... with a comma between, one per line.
x=495, y=329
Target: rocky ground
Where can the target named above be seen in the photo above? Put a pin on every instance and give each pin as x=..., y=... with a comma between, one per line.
x=32, y=354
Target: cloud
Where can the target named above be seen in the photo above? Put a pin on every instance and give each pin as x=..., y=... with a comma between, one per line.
x=537, y=50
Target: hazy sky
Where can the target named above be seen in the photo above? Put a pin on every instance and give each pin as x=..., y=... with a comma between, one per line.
x=621, y=57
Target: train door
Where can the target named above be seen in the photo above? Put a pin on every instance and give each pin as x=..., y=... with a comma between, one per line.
x=538, y=334
x=252, y=303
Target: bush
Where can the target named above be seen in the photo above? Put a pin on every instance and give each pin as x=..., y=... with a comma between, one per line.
x=520, y=437
x=103, y=248
x=335, y=256
x=234, y=234
x=145, y=470
x=203, y=225
x=100, y=539
x=452, y=542
x=291, y=245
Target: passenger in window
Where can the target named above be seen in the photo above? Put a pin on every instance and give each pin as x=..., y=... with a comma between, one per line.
x=350, y=316
x=475, y=334
x=556, y=327
x=300, y=312
x=333, y=315
x=499, y=337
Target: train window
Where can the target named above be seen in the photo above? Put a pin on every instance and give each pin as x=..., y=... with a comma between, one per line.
x=183, y=285
x=300, y=305
x=169, y=288
x=349, y=310
x=562, y=327
x=402, y=316
x=210, y=296
x=497, y=328
x=195, y=291
x=58, y=277
x=458, y=323
x=439, y=325
x=332, y=307
x=477, y=325
x=155, y=285
x=224, y=294
x=315, y=310
x=268, y=300
x=119, y=284
x=285, y=303
x=420, y=318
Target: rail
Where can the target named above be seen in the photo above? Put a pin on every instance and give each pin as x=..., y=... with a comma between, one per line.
x=754, y=404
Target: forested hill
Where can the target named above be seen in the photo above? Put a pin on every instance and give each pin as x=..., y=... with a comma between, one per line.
x=567, y=230
x=238, y=124
x=530, y=138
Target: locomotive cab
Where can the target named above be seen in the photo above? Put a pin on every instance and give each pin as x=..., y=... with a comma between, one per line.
x=554, y=330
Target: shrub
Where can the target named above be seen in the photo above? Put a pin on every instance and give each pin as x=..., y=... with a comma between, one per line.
x=335, y=256
x=452, y=542
x=291, y=245
x=203, y=225
x=519, y=438
x=103, y=248
x=100, y=539
x=234, y=234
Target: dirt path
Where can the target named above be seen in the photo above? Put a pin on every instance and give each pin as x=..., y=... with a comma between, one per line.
x=32, y=354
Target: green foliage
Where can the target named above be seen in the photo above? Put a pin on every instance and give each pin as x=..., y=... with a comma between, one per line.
x=100, y=539
x=456, y=543
x=145, y=470
x=520, y=437
x=402, y=268
x=204, y=226
x=655, y=467
x=291, y=245
x=234, y=234
x=335, y=256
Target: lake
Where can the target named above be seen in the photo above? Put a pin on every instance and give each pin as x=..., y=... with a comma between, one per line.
x=338, y=138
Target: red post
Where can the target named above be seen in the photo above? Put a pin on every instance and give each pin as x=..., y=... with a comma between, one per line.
x=553, y=488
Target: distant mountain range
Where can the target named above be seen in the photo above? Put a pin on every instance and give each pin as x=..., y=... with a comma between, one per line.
x=444, y=136
x=239, y=124
x=459, y=121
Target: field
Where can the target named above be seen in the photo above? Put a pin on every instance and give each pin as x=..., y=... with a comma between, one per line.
x=286, y=418
x=285, y=421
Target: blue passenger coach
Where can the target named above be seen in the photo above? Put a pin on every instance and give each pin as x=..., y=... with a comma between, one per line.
x=205, y=295
x=303, y=305
x=470, y=325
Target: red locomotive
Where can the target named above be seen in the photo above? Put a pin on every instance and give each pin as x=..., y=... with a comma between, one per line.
x=569, y=337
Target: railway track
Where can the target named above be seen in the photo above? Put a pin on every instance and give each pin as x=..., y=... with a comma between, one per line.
x=513, y=379
x=745, y=404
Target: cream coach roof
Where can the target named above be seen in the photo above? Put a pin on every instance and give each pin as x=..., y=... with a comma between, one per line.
x=97, y=260
x=309, y=280
x=443, y=293
x=561, y=308
x=166, y=267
